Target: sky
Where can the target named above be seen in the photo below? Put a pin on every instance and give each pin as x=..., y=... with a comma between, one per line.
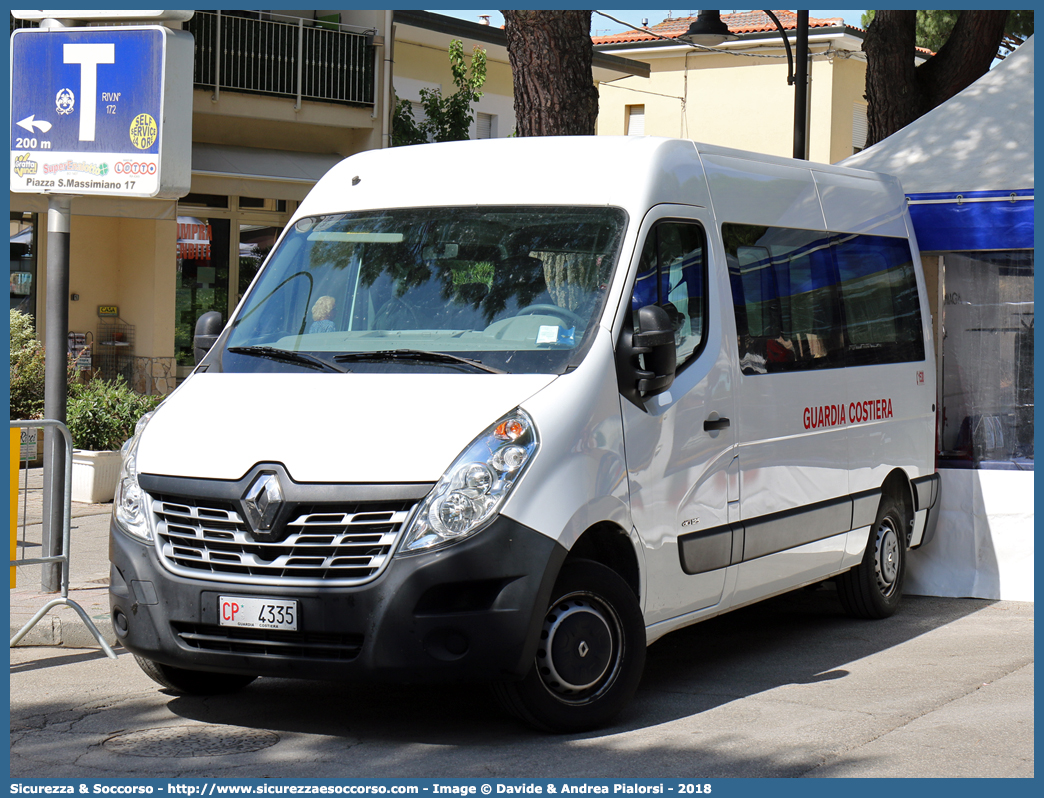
x=601, y=26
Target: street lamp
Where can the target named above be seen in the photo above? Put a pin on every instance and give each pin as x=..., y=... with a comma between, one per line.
x=708, y=30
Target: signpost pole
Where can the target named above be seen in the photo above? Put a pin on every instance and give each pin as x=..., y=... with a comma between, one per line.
x=55, y=382
x=56, y=379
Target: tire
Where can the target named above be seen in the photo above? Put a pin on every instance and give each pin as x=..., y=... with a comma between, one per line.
x=874, y=588
x=189, y=682
x=590, y=657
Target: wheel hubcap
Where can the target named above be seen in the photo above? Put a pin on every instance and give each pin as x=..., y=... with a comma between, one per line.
x=887, y=560
x=578, y=646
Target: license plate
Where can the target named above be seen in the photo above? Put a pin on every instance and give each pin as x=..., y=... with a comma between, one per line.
x=257, y=613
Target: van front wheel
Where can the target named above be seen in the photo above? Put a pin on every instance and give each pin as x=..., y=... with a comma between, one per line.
x=590, y=656
x=873, y=588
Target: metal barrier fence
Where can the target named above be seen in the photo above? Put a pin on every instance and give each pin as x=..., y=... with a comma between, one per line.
x=63, y=557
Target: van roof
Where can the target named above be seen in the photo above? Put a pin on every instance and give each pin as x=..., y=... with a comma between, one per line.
x=634, y=173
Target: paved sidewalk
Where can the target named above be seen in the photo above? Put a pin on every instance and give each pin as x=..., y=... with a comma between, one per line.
x=88, y=572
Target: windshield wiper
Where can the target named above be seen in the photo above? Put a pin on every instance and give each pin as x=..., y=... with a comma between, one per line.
x=286, y=356
x=418, y=355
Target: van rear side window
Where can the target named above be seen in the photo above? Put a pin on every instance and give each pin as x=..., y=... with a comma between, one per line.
x=808, y=300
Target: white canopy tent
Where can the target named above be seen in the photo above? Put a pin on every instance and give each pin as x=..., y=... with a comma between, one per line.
x=979, y=140
x=967, y=169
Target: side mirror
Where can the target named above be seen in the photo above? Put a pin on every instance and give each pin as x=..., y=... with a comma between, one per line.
x=654, y=342
x=208, y=328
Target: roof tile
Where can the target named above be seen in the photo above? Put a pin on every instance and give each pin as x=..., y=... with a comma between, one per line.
x=738, y=22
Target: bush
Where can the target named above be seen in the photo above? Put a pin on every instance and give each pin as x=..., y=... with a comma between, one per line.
x=27, y=369
x=101, y=414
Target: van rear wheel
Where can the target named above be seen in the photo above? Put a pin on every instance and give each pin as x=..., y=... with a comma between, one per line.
x=590, y=657
x=189, y=682
x=874, y=587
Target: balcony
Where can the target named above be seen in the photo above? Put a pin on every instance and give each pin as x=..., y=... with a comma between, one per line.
x=282, y=57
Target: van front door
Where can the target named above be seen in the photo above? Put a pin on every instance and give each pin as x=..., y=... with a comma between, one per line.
x=680, y=443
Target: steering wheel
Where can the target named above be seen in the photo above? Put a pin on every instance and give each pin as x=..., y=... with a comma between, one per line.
x=564, y=314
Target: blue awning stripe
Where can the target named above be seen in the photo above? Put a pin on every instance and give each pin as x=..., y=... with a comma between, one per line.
x=952, y=196
x=962, y=221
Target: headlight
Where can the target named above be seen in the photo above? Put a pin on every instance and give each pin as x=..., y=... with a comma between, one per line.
x=131, y=504
x=473, y=489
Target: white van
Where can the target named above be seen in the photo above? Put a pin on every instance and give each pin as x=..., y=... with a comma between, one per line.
x=510, y=411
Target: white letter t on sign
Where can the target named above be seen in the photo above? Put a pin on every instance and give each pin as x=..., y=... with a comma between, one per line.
x=88, y=56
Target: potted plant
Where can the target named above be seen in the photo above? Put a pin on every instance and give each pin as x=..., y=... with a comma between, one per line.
x=101, y=415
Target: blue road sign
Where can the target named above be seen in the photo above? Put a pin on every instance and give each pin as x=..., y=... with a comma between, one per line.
x=87, y=110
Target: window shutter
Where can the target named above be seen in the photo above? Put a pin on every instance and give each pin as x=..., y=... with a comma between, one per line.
x=483, y=126
x=859, y=126
x=635, y=120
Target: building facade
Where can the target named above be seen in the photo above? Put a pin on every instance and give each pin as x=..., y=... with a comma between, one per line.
x=737, y=95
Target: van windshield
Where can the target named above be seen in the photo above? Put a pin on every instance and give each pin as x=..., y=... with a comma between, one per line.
x=513, y=289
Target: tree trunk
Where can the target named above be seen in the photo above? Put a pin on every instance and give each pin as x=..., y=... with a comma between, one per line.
x=891, y=83
x=897, y=91
x=550, y=54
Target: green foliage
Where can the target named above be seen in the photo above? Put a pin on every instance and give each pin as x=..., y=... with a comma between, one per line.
x=934, y=26
x=27, y=368
x=446, y=118
x=101, y=414
x=405, y=129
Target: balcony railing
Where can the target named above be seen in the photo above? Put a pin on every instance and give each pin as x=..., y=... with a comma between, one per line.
x=289, y=58
x=265, y=56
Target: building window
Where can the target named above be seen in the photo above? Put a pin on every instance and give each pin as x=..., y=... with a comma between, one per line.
x=635, y=120
x=484, y=126
x=858, y=127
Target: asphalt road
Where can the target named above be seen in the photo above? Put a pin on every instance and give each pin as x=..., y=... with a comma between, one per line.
x=789, y=688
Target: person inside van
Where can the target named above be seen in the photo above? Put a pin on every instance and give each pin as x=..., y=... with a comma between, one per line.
x=322, y=310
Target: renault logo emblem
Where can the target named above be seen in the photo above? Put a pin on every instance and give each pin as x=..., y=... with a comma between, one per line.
x=262, y=501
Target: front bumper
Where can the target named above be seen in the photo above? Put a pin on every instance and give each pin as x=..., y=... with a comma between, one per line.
x=470, y=611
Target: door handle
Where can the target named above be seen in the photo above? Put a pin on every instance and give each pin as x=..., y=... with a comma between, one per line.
x=715, y=424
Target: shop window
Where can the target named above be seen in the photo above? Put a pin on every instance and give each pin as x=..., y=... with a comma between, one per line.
x=258, y=203
x=24, y=246
x=255, y=242
x=206, y=200
x=987, y=360
x=202, y=277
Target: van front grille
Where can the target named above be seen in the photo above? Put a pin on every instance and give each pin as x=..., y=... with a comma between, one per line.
x=270, y=643
x=326, y=544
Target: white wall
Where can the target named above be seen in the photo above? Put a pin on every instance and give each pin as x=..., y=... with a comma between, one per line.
x=983, y=546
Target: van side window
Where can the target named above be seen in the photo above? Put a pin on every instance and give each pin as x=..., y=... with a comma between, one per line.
x=676, y=252
x=807, y=300
x=879, y=295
